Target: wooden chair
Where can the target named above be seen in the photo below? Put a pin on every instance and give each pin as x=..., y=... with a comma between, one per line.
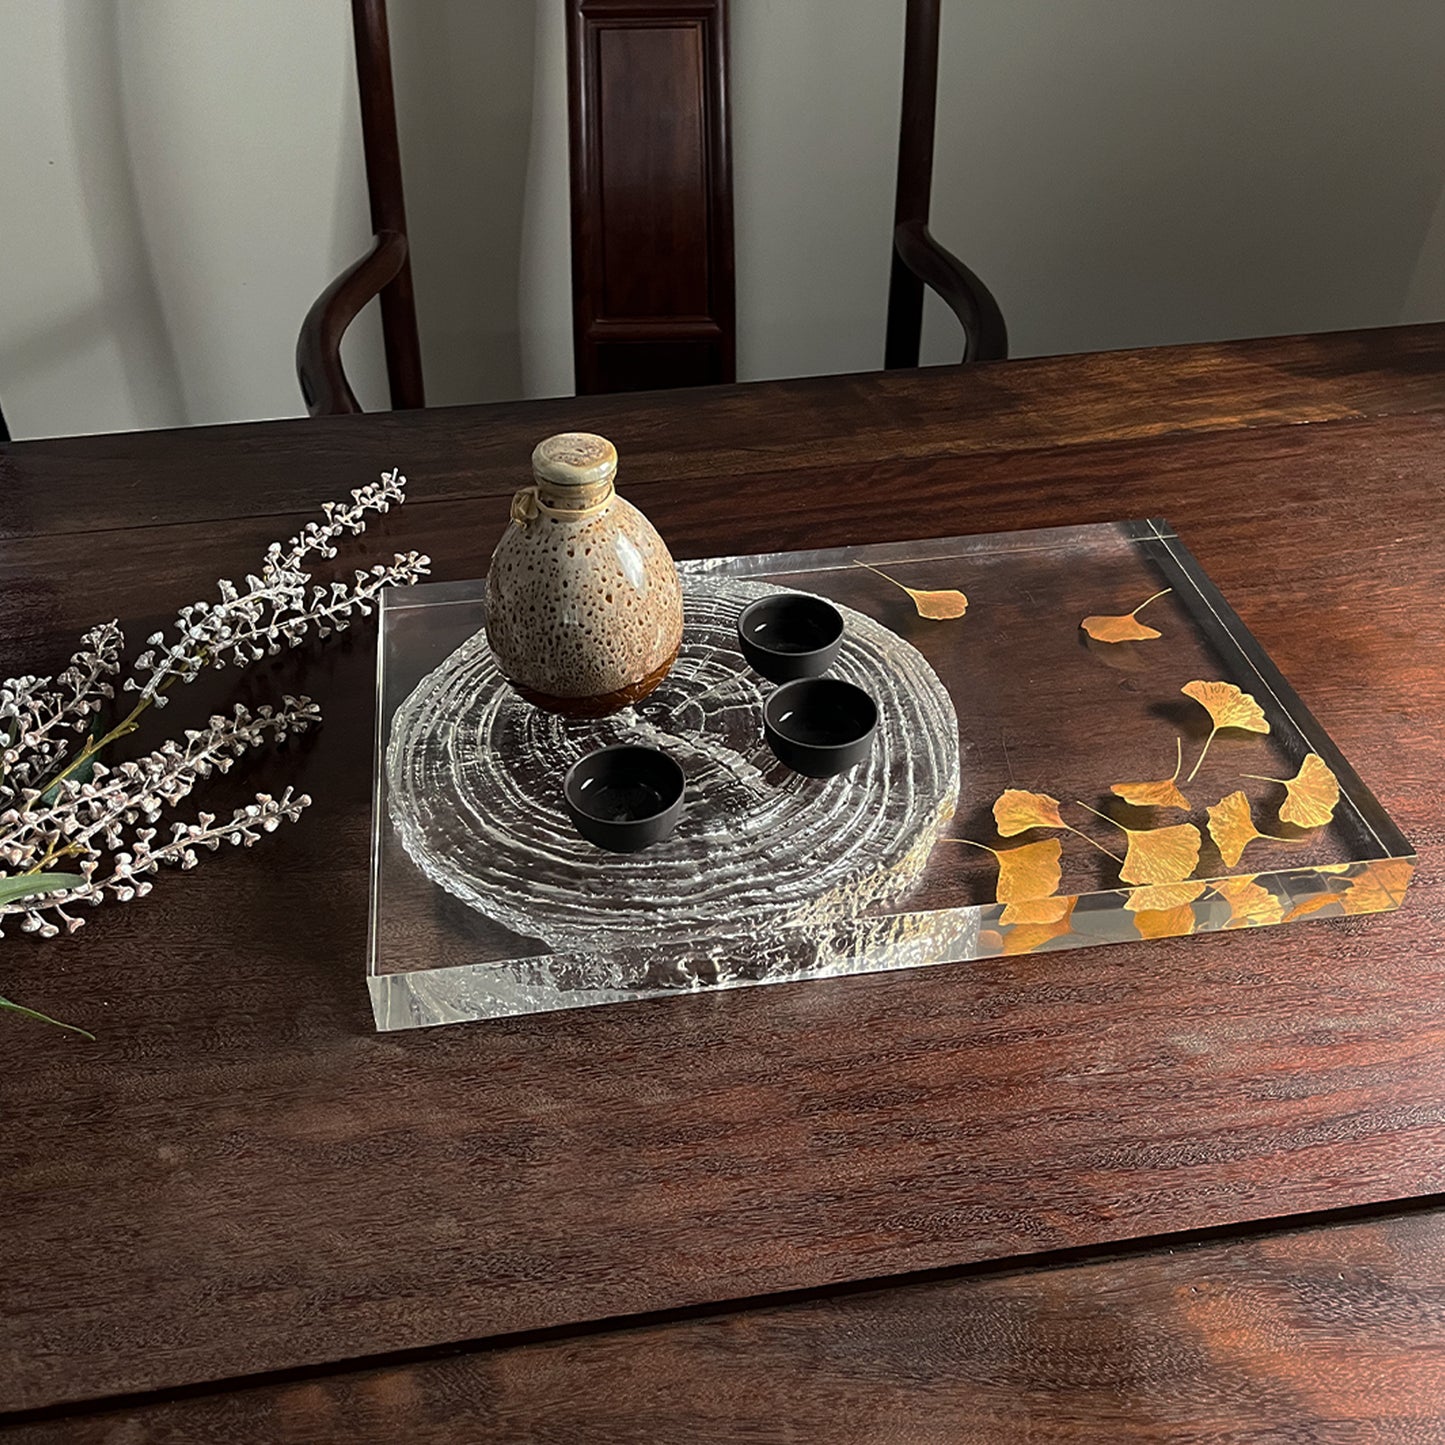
x=385, y=270
x=919, y=260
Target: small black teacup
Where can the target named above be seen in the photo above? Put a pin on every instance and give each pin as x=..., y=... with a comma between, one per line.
x=820, y=726
x=624, y=798
x=790, y=635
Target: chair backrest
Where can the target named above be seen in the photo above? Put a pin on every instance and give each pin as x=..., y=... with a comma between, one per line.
x=652, y=230
x=388, y=205
x=385, y=271
x=918, y=259
x=652, y=238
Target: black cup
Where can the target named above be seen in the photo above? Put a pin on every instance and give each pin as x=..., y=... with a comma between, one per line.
x=790, y=636
x=624, y=798
x=820, y=726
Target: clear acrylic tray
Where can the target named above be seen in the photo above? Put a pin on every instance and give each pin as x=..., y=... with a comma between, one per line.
x=486, y=903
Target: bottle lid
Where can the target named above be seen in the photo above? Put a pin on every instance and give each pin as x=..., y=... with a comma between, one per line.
x=574, y=459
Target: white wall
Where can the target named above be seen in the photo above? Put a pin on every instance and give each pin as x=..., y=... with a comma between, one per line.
x=1150, y=171
x=181, y=177
x=1120, y=172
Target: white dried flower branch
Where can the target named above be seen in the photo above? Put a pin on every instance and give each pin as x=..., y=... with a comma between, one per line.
x=320, y=537
x=61, y=808
x=34, y=713
x=276, y=610
x=95, y=813
x=127, y=880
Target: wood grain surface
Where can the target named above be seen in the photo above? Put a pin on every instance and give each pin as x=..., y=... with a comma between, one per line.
x=205, y=473
x=1332, y=1334
x=240, y=1176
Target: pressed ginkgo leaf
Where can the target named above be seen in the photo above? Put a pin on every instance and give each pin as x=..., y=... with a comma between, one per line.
x=1035, y=911
x=1161, y=855
x=1016, y=811
x=1029, y=872
x=1379, y=888
x=1307, y=906
x=1157, y=855
x=1231, y=825
x=1163, y=794
x=1126, y=627
x=1029, y=937
x=939, y=605
x=1163, y=896
x=1365, y=895
x=1227, y=707
x=1311, y=795
x=1165, y=922
x=1025, y=873
x=1250, y=902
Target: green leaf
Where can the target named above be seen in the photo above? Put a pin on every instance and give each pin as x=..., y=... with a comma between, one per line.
x=82, y=774
x=27, y=884
x=31, y=1013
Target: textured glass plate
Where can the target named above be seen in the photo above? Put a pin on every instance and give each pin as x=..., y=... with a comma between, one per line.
x=485, y=902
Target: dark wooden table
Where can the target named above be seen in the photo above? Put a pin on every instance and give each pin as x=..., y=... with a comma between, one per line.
x=1181, y=1190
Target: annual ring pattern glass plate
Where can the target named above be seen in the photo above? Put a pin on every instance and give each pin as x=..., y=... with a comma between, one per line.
x=1079, y=743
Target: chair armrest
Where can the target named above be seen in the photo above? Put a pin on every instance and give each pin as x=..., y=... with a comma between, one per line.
x=984, y=332
x=318, y=348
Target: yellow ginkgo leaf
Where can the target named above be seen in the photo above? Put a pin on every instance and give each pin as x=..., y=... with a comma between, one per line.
x=1365, y=895
x=1016, y=811
x=1165, y=922
x=1026, y=873
x=1161, y=897
x=1379, y=888
x=1251, y=904
x=1029, y=937
x=1161, y=855
x=1029, y=872
x=1394, y=874
x=1123, y=628
x=1164, y=794
x=1227, y=707
x=939, y=605
x=1231, y=825
x=1036, y=911
x=1310, y=905
x=1311, y=795
x=1156, y=855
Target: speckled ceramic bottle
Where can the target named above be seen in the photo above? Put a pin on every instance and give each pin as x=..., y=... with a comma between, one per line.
x=584, y=608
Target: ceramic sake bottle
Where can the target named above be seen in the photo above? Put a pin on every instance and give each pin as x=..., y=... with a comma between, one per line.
x=584, y=608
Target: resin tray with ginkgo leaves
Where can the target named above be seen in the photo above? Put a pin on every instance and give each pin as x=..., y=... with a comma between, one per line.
x=1079, y=743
